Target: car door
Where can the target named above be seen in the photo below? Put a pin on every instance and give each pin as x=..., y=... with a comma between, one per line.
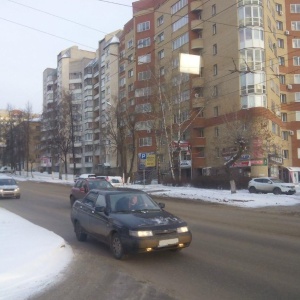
x=85, y=209
x=267, y=185
x=99, y=221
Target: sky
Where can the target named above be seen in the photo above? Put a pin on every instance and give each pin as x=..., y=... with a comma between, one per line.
x=45, y=256
x=34, y=32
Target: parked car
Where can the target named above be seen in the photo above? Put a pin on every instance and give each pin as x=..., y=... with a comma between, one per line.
x=5, y=169
x=129, y=221
x=9, y=187
x=84, y=176
x=83, y=185
x=114, y=180
x=270, y=185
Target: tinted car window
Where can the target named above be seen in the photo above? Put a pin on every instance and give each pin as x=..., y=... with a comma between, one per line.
x=101, y=201
x=7, y=182
x=90, y=199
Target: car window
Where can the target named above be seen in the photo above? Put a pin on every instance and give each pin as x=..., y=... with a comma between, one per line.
x=7, y=182
x=90, y=199
x=114, y=180
x=78, y=183
x=258, y=180
x=101, y=201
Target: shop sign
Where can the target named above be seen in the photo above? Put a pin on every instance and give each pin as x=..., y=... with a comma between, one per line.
x=183, y=145
x=185, y=164
x=259, y=162
x=275, y=159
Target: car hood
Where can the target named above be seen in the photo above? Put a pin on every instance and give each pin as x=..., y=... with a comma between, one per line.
x=148, y=219
x=11, y=187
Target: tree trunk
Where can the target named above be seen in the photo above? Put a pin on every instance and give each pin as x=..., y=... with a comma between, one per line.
x=232, y=186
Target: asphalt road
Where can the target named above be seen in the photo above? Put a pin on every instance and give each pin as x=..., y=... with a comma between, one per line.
x=235, y=254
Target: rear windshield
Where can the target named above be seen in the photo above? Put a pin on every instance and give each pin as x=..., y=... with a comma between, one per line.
x=98, y=184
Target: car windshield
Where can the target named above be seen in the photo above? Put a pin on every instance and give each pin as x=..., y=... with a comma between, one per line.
x=99, y=184
x=5, y=181
x=131, y=202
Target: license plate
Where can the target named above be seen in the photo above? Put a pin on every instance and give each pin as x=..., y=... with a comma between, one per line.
x=164, y=243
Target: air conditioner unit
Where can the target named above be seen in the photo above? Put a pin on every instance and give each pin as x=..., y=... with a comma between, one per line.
x=280, y=13
x=149, y=130
x=291, y=132
x=197, y=95
x=289, y=87
x=278, y=113
x=287, y=32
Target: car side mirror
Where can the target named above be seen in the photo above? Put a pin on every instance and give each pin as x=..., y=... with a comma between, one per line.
x=101, y=209
x=161, y=205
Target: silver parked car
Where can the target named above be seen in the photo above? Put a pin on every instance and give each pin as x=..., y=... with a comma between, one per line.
x=9, y=187
x=270, y=185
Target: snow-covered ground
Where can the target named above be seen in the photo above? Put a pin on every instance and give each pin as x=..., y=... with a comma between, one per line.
x=31, y=263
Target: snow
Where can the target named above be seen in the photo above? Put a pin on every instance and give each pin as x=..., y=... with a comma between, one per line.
x=30, y=263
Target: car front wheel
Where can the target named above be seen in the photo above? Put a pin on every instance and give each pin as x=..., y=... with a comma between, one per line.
x=116, y=246
x=252, y=190
x=80, y=235
x=277, y=191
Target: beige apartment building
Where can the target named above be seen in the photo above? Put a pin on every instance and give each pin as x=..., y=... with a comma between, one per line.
x=247, y=88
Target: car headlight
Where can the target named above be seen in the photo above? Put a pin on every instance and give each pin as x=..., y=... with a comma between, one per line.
x=182, y=229
x=17, y=189
x=140, y=233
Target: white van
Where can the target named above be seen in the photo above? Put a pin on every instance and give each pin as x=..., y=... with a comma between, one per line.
x=5, y=169
x=114, y=180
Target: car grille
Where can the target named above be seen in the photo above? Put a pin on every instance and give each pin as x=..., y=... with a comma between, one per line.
x=164, y=231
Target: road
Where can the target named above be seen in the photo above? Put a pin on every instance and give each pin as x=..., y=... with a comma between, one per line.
x=235, y=254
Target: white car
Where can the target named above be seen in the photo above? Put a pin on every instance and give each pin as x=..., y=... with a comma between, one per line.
x=114, y=180
x=270, y=185
x=9, y=187
x=84, y=176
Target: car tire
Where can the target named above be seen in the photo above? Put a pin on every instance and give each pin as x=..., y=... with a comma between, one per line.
x=80, y=235
x=277, y=191
x=72, y=200
x=116, y=246
x=252, y=190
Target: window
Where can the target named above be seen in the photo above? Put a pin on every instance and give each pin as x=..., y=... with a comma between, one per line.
x=296, y=60
x=143, y=59
x=279, y=25
x=296, y=43
x=285, y=135
x=146, y=141
x=130, y=44
x=178, y=6
x=143, y=92
x=295, y=25
x=160, y=37
x=213, y=10
x=143, y=26
x=250, y=15
x=181, y=41
x=284, y=117
x=200, y=152
x=297, y=115
x=122, y=68
x=280, y=43
x=297, y=97
x=215, y=69
x=295, y=8
x=278, y=7
x=160, y=20
x=122, y=81
x=161, y=54
x=131, y=87
x=216, y=131
x=285, y=154
x=281, y=61
x=298, y=150
x=215, y=49
x=215, y=91
x=180, y=23
x=214, y=29
x=161, y=71
x=217, y=151
x=283, y=98
x=297, y=78
x=142, y=43
x=281, y=79
x=200, y=132
x=130, y=73
x=145, y=75
x=216, y=111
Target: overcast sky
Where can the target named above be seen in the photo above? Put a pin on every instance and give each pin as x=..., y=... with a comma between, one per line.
x=33, y=32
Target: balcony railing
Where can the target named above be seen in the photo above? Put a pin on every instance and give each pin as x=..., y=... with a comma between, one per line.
x=196, y=5
x=197, y=44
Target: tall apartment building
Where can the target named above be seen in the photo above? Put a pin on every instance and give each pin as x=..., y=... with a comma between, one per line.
x=67, y=77
x=248, y=72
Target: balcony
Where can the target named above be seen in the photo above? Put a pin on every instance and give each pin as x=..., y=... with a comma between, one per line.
x=198, y=102
x=197, y=24
x=196, y=5
x=198, y=142
x=197, y=82
x=197, y=44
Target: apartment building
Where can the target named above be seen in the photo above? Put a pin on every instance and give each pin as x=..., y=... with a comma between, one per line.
x=247, y=86
x=66, y=79
x=242, y=45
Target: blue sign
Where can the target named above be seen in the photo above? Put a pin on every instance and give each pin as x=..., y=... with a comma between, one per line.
x=143, y=155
